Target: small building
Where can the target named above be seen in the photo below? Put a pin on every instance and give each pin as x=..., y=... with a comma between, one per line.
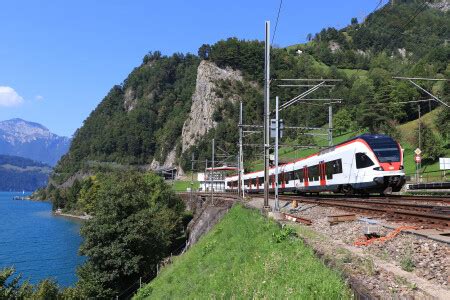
x=215, y=179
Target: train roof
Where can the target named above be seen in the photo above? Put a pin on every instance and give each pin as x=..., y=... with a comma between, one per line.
x=370, y=139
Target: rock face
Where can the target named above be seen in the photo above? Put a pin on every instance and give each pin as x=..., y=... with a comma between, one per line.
x=129, y=100
x=31, y=140
x=443, y=5
x=204, y=101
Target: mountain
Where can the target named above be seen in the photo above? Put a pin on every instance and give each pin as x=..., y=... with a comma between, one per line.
x=31, y=140
x=22, y=174
x=170, y=107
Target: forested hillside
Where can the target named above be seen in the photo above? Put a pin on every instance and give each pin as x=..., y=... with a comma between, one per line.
x=141, y=120
x=22, y=174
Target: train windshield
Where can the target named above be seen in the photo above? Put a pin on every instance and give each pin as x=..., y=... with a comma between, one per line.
x=384, y=147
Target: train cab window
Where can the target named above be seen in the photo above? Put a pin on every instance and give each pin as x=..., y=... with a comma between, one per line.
x=337, y=166
x=363, y=161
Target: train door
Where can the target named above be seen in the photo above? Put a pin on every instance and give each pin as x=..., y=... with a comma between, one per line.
x=273, y=180
x=283, y=180
x=257, y=183
x=305, y=176
x=322, y=173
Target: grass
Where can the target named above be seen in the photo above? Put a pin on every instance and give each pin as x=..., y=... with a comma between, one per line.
x=183, y=185
x=246, y=256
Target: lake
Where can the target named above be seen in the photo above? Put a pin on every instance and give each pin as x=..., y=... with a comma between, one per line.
x=36, y=243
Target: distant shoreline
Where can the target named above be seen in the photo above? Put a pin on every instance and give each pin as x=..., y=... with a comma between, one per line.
x=59, y=213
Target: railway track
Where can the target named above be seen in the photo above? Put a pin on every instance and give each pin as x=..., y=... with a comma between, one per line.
x=435, y=216
x=392, y=207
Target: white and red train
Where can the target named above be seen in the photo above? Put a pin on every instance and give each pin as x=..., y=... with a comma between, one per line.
x=362, y=165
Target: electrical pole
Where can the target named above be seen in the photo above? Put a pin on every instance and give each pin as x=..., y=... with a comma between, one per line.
x=241, y=154
x=420, y=143
x=277, y=135
x=266, y=115
x=192, y=175
x=212, y=174
x=206, y=173
x=420, y=128
x=330, y=125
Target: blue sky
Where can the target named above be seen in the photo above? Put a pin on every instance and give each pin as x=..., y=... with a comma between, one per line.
x=58, y=59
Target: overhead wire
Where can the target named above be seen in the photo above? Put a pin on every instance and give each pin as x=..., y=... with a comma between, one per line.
x=276, y=23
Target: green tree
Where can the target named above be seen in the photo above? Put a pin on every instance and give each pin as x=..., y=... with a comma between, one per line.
x=137, y=222
x=47, y=289
x=204, y=51
x=432, y=145
x=11, y=287
x=343, y=121
x=442, y=123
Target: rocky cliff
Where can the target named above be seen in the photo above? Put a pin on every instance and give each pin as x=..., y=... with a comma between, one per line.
x=205, y=100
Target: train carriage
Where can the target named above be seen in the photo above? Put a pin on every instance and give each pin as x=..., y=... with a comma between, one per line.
x=365, y=164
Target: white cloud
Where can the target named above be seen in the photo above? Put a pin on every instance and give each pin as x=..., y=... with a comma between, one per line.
x=39, y=98
x=9, y=97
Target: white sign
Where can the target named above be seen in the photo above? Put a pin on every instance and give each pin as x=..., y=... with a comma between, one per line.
x=444, y=163
x=417, y=151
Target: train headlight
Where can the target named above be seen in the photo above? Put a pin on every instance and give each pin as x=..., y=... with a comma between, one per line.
x=378, y=169
x=402, y=167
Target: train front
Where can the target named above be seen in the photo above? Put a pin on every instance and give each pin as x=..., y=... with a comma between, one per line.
x=389, y=174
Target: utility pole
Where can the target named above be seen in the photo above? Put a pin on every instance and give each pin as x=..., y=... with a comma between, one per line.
x=330, y=125
x=277, y=135
x=212, y=174
x=420, y=143
x=192, y=175
x=420, y=128
x=206, y=173
x=241, y=154
x=266, y=116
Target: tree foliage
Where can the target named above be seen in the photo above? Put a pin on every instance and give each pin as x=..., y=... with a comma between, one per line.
x=137, y=222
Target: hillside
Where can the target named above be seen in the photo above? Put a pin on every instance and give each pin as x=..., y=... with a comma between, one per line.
x=22, y=174
x=247, y=256
x=170, y=107
x=31, y=140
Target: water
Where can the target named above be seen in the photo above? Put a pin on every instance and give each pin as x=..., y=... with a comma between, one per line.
x=38, y=244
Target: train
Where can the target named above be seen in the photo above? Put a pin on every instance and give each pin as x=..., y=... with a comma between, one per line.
x=365, y=164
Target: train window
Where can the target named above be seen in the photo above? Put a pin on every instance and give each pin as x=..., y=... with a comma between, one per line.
x=261, y=180
x=329, y=169
x=313, y=173
x=363, y=161
x=299, y=175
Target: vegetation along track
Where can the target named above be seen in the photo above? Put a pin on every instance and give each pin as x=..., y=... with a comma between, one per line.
x=434, y=216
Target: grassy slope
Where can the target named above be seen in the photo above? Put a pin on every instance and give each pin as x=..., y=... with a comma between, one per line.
x=183, y=185
x=239, y=258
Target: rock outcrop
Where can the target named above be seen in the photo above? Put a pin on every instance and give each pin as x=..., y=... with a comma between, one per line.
x=204, y=101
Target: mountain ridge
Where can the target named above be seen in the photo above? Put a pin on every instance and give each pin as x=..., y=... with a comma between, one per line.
x=31, y=140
